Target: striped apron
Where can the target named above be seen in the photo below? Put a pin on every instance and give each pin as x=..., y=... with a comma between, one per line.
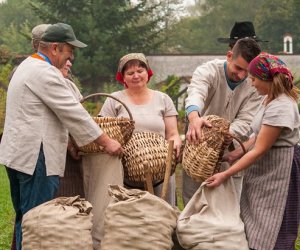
x=264, y=197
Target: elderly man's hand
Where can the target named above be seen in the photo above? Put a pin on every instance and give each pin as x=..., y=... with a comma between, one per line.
x=111, y=146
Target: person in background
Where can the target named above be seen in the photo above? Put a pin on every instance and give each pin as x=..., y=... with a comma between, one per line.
x=221, y=87
x=36, y=35
x=240, y=30
x=270, y=201
x=152, y=111
x=40, y=113
x=71, y=184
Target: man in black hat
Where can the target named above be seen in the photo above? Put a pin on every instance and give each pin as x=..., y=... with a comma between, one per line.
x=221, y=87
x=41, y=111
x=241, y=30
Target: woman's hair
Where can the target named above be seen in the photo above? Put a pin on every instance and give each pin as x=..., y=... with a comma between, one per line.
x=282, y=85
x=134, y=62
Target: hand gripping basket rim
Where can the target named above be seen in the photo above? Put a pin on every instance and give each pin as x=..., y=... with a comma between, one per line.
x=146, y=148
x=118, y=128
x=201, y=160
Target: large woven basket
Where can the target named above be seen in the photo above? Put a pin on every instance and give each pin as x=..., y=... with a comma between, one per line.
x=201, y=160
x=146, y=148
x=118, y=128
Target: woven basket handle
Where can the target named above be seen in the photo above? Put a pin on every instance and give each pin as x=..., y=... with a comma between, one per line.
x=217, y=169
x=108, y=95
x=240, y=142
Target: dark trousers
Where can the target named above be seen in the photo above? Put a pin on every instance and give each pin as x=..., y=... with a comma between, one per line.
x=28, y=191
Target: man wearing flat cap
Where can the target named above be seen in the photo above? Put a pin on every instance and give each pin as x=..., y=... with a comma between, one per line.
x=41, y=111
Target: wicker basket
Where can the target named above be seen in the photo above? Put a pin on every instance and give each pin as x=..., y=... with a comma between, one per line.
x=201, y=160
x=146, y=148
x=117, y=128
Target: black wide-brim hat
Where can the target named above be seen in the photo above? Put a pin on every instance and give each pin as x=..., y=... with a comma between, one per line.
x=241, y=30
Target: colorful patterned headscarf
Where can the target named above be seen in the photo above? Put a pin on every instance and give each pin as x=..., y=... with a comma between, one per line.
x=265, y=66
x=132, y=56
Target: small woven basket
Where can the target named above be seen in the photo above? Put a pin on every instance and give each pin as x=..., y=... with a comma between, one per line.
x=201, y=160
x=117, y=128
x=150, y=148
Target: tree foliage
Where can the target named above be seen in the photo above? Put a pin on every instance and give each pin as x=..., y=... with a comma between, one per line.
x=2, y=108
x=114, y=28
x=275, y=18
x=210, y=19
x=110, y=28
x=16, y=22
x=169, y=13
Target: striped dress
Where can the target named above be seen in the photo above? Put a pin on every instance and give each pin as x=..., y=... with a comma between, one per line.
x=266, y=183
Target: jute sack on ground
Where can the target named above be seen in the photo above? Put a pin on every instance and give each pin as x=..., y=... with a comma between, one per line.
x=64, y=223
x=211, y=220
x=137, y=220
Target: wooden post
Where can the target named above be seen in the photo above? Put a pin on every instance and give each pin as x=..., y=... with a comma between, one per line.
x=168, y=171
x=148, y=178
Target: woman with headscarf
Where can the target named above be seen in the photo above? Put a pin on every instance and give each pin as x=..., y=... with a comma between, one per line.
x=152, y=111
x=270, y=194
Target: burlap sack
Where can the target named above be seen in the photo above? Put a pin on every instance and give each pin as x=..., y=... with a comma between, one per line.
x=64, y=223
x=211, y=220
x=137, y=220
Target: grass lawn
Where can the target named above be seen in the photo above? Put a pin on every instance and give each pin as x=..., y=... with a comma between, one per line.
x=6, y=212
x=179, y=187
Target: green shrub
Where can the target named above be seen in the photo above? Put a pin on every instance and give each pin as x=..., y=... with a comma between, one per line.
x=2, y=108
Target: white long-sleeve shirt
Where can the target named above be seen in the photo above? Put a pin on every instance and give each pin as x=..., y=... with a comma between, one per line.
x=42, y=108
x=210, y=92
